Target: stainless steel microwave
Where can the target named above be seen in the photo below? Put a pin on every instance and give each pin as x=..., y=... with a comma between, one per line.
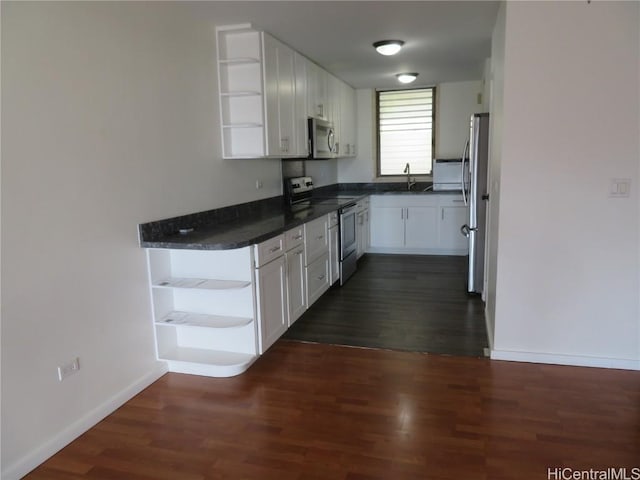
x=322, y=139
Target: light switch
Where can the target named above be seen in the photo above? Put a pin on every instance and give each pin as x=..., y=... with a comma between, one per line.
x=620, y=187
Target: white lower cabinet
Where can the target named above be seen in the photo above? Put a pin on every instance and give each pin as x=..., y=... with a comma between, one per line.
x=216, y=311
x=334, y=248
x=362, y=227
x=453, y=214
x=334, y=254
x=421, y=227
x=317, y=274
x=203, y=310
x=296, y=283
x=387, y=227
x=420, y=224
x=272, y=302
x=317, y=269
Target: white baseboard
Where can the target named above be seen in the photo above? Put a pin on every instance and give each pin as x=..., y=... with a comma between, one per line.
x=417, y=251
x=574, y=360
x=30, y=461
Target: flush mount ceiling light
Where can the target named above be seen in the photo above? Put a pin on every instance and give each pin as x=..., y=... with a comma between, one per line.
x=406, y=77
x=388, y=47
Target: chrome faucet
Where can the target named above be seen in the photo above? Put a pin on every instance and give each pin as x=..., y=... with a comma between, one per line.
x=410, y=183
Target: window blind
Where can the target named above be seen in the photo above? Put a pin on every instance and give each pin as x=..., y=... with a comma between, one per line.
x=405, y=130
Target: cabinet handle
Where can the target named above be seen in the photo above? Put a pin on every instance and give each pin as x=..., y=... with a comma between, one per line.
x=274, y=249
x=321, y=277
x=402, y=214
x=407, y=213
x=299, y=252
x=320, y=237
x=297, y=237
x=321, y=110
x=442, y=211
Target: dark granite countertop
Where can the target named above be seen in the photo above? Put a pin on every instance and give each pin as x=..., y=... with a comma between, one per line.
x=249, y=223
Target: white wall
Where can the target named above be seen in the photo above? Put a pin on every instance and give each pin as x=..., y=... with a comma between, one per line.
x=109, y=119
x=456, y=101
x=496, y=92
x=568, y=261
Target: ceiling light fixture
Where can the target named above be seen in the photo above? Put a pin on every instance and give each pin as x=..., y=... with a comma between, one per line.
x=388, y=47
x=406, y=77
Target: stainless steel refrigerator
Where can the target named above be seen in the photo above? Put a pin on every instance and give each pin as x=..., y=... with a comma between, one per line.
x=475, y=161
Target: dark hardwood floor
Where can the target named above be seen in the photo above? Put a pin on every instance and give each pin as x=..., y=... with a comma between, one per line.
x=400, y=302
x=310, y=411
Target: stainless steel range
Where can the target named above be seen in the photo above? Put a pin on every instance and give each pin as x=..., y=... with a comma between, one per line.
x=300, y=194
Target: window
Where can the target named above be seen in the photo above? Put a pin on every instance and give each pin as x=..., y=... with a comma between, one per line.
x=405, y=131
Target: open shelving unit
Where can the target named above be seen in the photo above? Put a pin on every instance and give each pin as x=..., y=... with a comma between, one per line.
x=241, y=90
x=203, y=310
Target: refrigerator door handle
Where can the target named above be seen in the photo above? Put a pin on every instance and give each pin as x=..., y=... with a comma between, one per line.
x=465, y=230
x=463, y=186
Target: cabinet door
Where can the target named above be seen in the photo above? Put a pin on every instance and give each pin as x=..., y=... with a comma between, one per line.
x=421, y=227
x=286, y=99
x=316, y=239
x=317, y=278
x=334, y=254
x=333, y=104
x=272, y=305
x=272, y=115
x=296, y=284
x=360, y=234
x=317, y=91
x=387, y=226
x=279, y=97
x=301, y=144
x=451, y=219
x=348, y=120
x=366, y=232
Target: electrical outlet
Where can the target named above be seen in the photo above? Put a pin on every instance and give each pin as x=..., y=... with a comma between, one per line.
x=68, y=368
x=258, y=184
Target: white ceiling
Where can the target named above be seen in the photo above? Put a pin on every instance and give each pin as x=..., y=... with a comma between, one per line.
x=445, y=40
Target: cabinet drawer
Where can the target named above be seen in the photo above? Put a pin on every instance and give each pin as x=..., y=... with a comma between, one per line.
x=451, y=201
x=317, y=278
x=293, y=237
x=316, y=239
x=269, y=250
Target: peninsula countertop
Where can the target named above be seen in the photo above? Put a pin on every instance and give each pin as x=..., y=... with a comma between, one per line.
x=250, y=223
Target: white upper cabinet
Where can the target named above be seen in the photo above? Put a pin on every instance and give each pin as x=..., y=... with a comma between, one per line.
x=333, y=110
x=267, y=93
x=279, y=82
x=241, y=91
x=317, y=85
x=347, y=121
x=301, y=143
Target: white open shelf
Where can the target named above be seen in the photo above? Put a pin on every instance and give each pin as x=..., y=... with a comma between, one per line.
x=245, y=93
x=239, y=61
x=213, y=363
x=190, y=319
x=200, y=283
x=243, y=125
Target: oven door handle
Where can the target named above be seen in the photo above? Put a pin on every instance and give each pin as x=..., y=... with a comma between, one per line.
x=346, y=208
